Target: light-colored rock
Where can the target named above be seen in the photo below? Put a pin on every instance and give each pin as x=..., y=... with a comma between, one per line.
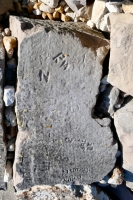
x=120, y=64
x=36, y=5
x=8, y=172
x=59, y=9
x=74, y=5
x=66, y=192
x=51, y=3
x=37, y=12
x=113, y=8
x=98, y=11
x=72, y=15
x=60, y=92
x=67, y=8
x=10, y=43
x=127, y=6
x=116, y=178
x=65, y=18
x=50, y=16
x=91, y=24
x=44, y=15
x=45, y=8
x=123, y=122
x=9, y=95
x=104, y=23
x=11, y=144
x=5, y=5
x=85, y=12
x=7, y=32
x=56, y=15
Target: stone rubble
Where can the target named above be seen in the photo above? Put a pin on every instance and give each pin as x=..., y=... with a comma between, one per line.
x=114, y=103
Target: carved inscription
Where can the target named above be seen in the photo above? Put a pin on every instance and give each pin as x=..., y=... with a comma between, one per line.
x=61, y=59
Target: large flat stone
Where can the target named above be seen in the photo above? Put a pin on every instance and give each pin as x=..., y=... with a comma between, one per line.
x=59, y=73
x=2, y=144
x=121, y=65
x=123, y=122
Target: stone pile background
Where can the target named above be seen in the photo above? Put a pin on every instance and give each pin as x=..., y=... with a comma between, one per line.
x=90, y=24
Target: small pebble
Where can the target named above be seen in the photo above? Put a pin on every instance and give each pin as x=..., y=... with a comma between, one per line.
x=56, y=15
x=10, y=115
x=59, y=9
x=44, y=15
x=9, y=95
x=7, y=32
x=8, y=172
x=66, y=8
x=10, y=43
x=65, y=18
x=37, y=12
x=91, y=24
x=46, y=8
x=50, y=16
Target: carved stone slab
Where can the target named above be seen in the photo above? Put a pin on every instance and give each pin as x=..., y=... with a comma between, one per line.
x=2, y=145
x=59, y=73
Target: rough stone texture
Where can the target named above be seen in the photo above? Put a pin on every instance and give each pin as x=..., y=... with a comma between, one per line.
x=58, y=77
x=107, y=100
x=61, y=192
x=9, y=193
x=2, y=145
x=98, y=11
x=121, y=65
x=123, y=122
x=127, y=6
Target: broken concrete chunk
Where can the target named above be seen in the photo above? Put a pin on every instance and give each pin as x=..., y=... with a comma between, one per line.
x=9, y=95
x=120, y=65
x=59, y=94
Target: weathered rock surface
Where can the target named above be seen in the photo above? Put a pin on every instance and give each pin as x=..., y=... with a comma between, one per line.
x=2, y=145
x=127, y=6
x=57, y=192
x=124, y=127
x=59, y=74
x=121, y=65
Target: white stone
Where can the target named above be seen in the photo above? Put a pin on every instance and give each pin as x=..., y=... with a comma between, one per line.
x=7, y=31
x=114, y=8
x=51, y=3
x=72, y=15
x=98, y=11
x=91, y=24
x=45, y=8
x=9, y=92
x=37, y=12
x=8, y=172
x=66, y=8
x=104, y=23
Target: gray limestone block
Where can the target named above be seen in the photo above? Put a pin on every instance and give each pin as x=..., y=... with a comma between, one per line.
x=2, y=145
x=59, y=74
